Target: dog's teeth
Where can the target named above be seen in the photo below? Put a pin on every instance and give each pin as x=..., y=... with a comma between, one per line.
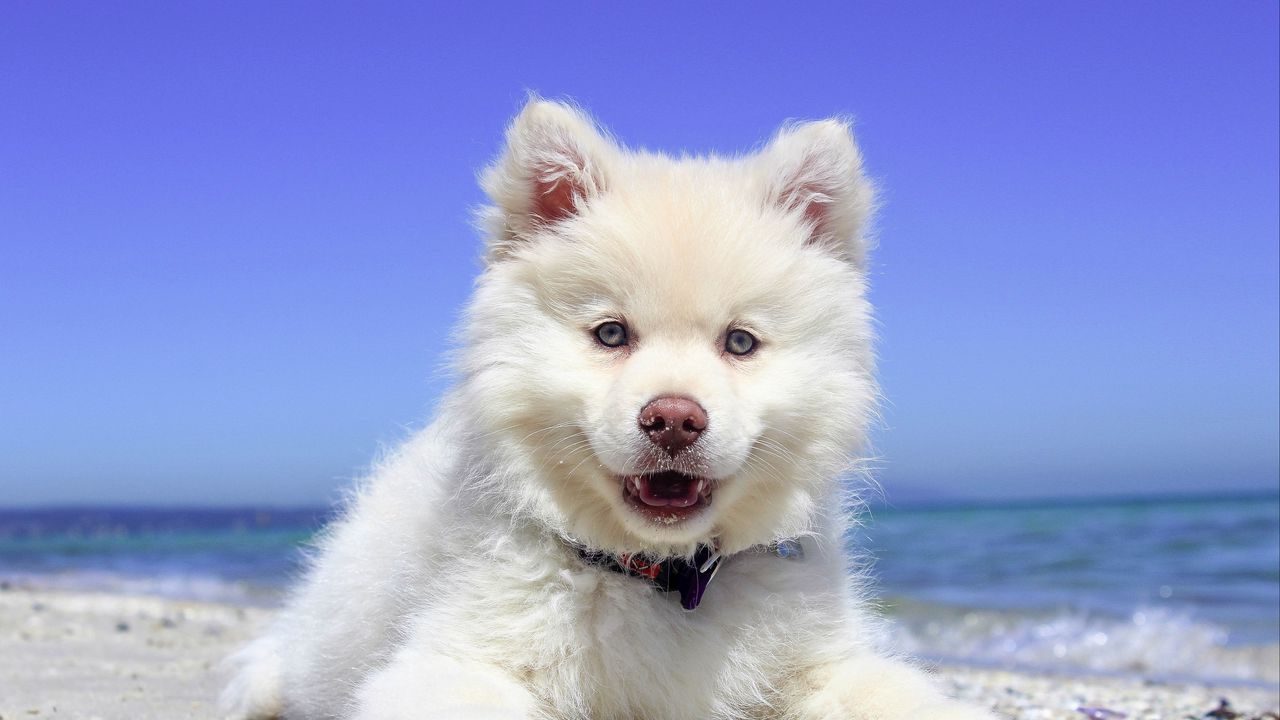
x=701, y=484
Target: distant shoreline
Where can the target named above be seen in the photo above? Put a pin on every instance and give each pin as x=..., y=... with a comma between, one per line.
x=1058, y=502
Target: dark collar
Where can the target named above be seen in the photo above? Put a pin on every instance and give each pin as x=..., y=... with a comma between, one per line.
x=677, y=574
x=690, y=579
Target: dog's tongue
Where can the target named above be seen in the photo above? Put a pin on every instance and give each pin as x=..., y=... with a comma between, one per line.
x=668, y=488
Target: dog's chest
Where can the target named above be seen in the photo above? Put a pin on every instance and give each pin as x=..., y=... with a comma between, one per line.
x=622, y=648
x=593, y=643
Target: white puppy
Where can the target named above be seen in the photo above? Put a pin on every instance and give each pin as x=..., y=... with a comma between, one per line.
x=665, y=369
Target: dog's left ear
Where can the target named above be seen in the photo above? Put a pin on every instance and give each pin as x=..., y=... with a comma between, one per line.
x=554, y=163
x=814, y=170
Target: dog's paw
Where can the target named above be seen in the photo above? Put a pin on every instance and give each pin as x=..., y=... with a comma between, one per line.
x=254, y=690
x=419, y=686
x=949, y=710
x=942, y=710
x=875, y=688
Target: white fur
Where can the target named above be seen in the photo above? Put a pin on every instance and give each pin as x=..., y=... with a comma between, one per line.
x=450, y=588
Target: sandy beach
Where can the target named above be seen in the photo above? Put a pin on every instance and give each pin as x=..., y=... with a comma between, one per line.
x=83, y=655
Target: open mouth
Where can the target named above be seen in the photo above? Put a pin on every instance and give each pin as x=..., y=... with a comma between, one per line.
x=666, y=497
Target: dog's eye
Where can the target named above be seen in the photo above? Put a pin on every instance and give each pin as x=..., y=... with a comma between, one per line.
x=612, y=334
x=740, y=342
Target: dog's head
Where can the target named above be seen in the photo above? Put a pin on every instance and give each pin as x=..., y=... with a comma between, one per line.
x=669, y=351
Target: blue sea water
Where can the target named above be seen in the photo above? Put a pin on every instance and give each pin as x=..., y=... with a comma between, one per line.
x=1186, y=588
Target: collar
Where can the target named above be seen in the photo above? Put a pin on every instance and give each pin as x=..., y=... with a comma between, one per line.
x=678, y=574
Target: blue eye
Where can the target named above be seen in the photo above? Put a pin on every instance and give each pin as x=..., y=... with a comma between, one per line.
x=612, y=334
x=740, y=342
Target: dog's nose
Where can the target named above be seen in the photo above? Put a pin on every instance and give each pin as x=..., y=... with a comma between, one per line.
x=673, y=423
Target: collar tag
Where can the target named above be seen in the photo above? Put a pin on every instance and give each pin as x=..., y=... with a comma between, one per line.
x=788, y=549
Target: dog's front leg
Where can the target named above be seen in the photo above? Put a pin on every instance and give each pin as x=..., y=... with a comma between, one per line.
x=420, y=685
x=868, y=687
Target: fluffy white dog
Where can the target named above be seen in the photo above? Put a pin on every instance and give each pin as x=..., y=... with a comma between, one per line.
x=628, y=507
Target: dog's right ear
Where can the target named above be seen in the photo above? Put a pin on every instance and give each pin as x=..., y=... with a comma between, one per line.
x=554, y=163
x=815, y=173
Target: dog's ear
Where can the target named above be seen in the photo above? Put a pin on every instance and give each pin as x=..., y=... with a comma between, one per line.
x=815, y=171
x=554, y=163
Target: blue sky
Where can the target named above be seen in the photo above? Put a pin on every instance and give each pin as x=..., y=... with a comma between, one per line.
x=234, y=236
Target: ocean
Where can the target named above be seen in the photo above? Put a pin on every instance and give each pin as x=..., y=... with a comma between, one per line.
x=1179, y=589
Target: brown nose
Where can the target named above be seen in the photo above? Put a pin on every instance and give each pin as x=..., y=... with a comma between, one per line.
x=673, y=423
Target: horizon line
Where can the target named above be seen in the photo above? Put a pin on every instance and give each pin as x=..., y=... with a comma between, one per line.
x=941, y=504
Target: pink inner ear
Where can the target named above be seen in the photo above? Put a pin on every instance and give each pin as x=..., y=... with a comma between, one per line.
x=814, y=202
x=817, y=212
x=554, y=200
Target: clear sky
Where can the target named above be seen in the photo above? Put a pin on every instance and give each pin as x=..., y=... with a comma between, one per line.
x=234, y=236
